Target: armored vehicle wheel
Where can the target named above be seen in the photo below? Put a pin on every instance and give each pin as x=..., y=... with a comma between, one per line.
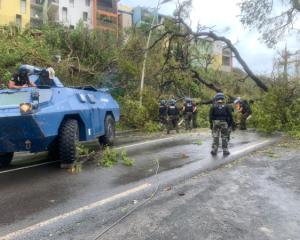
x=68, y=136
x=109, y=128
x=5, y=159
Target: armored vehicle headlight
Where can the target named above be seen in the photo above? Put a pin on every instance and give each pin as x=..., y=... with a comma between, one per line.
x=25, y=108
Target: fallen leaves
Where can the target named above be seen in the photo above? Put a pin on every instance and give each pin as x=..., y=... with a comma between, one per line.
x=168, y=188
x=181, y=194
x=185, y=156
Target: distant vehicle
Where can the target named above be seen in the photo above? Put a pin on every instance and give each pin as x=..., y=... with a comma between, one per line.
x=51, y=117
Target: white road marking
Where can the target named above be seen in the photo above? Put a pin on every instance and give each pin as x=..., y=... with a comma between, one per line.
x=79, y=210
x=16, y=169
x=28, y=167
x=245, y=149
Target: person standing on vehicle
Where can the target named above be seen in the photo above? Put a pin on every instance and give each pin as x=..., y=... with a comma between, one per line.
x=245, y=110
x=20, y=79
x=173, y=113
x=220, y=116
x=195, y=113
x=162, y=114
x=188, y=108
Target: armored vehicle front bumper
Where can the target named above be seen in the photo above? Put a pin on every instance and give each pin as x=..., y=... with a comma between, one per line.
x=21, y=133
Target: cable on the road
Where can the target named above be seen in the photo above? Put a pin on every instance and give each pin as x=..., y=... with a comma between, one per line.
x=158, y=183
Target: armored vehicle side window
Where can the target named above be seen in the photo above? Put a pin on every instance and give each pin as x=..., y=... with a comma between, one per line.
x=81, y=97
x=13, y=99
x=91, y=98
x=45, y=95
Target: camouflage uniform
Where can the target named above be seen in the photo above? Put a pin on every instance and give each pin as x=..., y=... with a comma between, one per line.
x=189, y=108
x=173, y=119
x=220, y=126
x=220, y=117
x=163, y=120
x=188, y=119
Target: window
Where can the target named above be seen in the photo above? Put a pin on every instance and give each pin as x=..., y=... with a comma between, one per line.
x=19, y=20
x=72, y=27
x=23, y=6
x=85, y=16
x=226, y=61
x=71, y=3
x=226, y=52
x=87, y=3
x=105, y=3
x=13, y=99
x=64, y=14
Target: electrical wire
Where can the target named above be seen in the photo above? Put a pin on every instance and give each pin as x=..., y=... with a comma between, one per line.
x=158, y=183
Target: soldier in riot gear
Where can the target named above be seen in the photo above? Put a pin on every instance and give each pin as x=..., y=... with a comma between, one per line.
x=195, y=113
x=188, y=108
x=173, y=113
x=221, y=116
x=21, y=79
x=162, y=114
x=245, y=109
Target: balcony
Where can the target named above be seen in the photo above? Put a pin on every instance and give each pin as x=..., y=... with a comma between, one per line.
x=37, y=4
x=53, y=6
x=53, y=17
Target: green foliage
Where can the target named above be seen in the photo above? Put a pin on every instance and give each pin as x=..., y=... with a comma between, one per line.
x=81, y=150
x=203, y=116
x=277, y=110
x=198, y=143
x=273, y=25
x=273, y=155
x=126, y=161
x=137, y=116
x=109, y=157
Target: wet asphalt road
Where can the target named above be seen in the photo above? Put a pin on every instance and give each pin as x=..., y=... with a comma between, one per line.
x=34, y=195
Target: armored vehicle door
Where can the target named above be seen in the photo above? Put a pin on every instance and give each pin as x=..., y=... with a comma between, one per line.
x=95, y=113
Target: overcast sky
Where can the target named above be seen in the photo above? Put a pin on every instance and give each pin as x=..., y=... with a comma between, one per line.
x=223, y=14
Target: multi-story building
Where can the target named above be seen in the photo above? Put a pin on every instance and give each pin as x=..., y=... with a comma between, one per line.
x=106, y=14
x=214, y=55
x=36, y=13
x=69, y=12
x=17, y=11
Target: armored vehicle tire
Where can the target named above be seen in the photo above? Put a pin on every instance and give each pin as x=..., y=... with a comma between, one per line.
x=68, y=136
x=109, y=128
x=5, y=159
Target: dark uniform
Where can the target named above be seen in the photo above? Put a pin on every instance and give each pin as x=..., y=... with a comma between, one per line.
x=189, y=113
x=195, y=114
x=221, y=116
x=232, y=124
x=246, y=113
x=19, y=80
x=162, y=115
x=173, y=113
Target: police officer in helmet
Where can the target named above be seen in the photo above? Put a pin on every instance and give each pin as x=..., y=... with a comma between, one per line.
x=162, y=114
x=21, y=79
x=188, y=108
x=195, y=113
x=173, y=113
x=220, y=117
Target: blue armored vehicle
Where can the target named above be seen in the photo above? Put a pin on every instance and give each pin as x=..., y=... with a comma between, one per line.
x=51, y=117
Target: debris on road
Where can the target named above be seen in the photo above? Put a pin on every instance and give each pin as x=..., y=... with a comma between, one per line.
x=185, y=156
x=181, y=194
